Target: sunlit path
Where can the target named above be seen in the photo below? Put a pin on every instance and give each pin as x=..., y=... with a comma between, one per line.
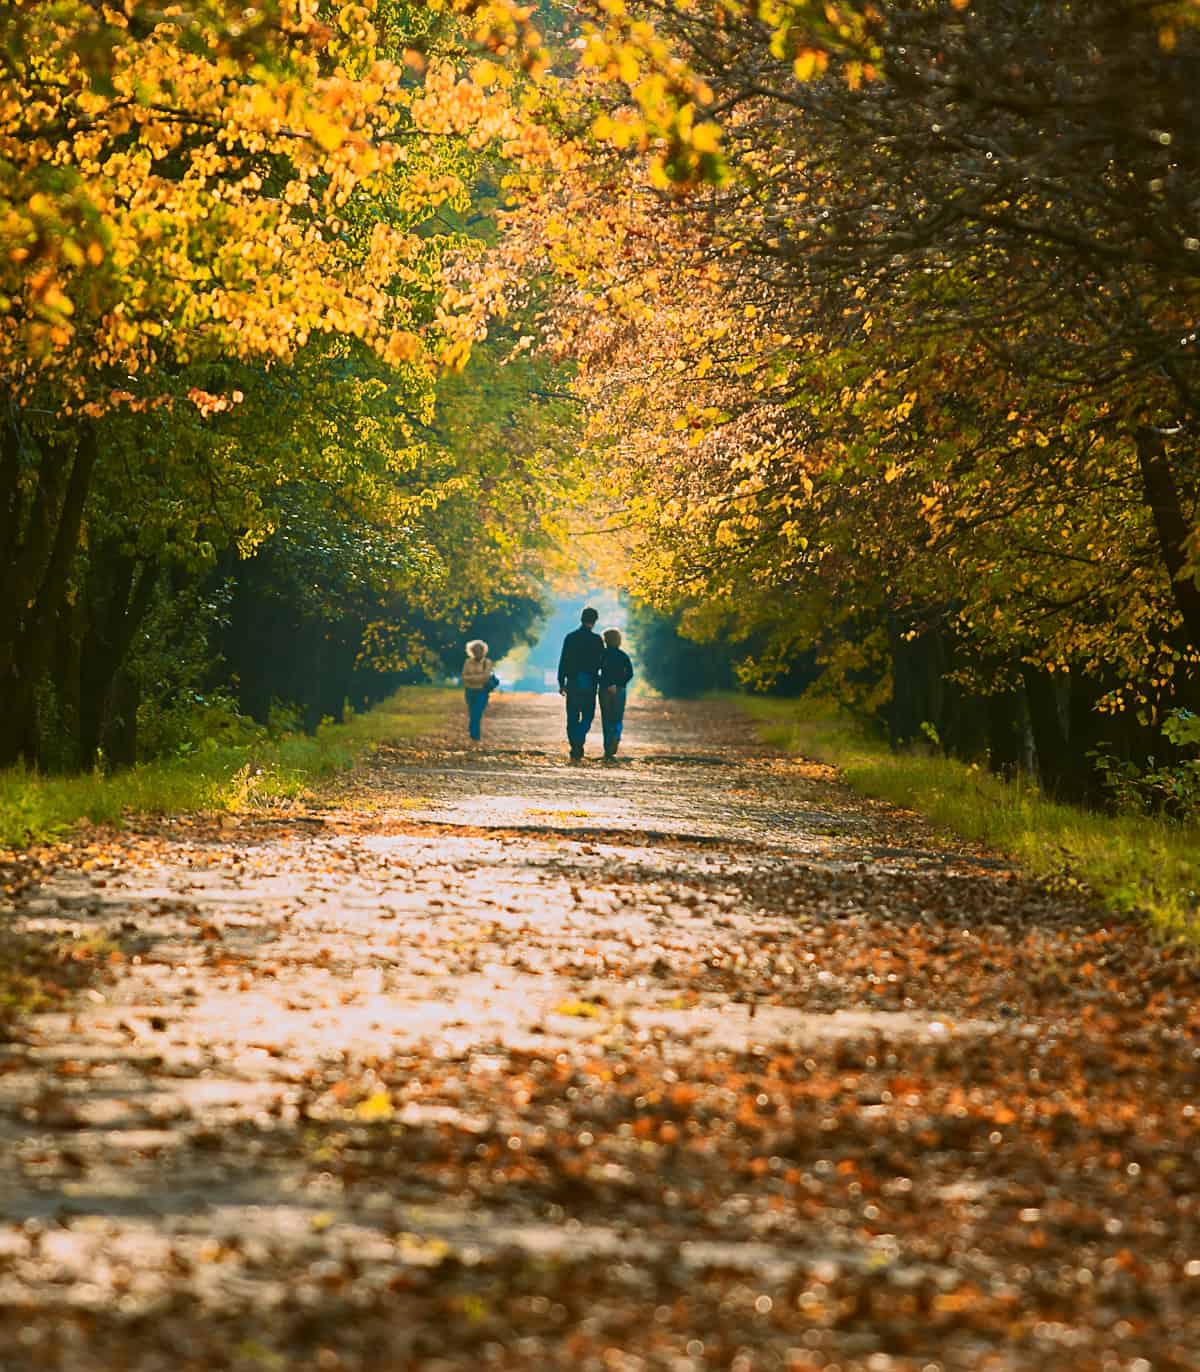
x=692, y=1062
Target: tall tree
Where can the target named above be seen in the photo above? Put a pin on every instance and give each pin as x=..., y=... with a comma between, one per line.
x=922, y=354
x=188, y=191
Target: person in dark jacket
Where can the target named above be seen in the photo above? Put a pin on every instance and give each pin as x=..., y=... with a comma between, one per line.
x=616, y=672
x=579, y=678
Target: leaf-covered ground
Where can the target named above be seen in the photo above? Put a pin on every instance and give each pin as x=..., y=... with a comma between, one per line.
x=696, y=1062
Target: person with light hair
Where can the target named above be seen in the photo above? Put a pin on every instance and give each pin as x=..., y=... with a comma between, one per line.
x=616, y=672
x=479, y=681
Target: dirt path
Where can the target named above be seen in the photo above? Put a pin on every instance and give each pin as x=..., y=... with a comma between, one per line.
x=696, y=1062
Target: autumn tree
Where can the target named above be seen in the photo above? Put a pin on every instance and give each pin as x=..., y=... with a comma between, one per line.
x=222, y=277
x=918, y=361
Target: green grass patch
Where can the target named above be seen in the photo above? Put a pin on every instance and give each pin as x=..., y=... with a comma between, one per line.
x=1137, y=864
x=214, y=777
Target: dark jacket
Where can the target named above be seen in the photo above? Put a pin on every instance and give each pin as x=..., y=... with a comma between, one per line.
x=615, y=668
x=582, y=651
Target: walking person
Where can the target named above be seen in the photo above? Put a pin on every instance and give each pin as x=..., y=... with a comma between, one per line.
x=478, y=681
x=579, y=678
x=616, y=672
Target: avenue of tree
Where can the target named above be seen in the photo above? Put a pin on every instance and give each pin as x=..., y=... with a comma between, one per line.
x=225, y=459
x=905, y=390
x=867, y=331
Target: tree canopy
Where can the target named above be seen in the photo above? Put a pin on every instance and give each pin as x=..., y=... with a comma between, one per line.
x=880, y=319
x=223, y=313
x=912, y=360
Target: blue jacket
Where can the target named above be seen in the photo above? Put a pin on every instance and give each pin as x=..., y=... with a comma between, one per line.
x=582, y=652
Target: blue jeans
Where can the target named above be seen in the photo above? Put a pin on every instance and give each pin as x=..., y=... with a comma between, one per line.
x=612, y=716
x=581, y=710
x=476, y=704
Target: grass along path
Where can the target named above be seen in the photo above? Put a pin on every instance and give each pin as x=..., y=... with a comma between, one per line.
x=1137, y=864
x=217, y=777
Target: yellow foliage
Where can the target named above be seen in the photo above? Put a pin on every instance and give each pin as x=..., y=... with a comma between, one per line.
x=578, y=1009
x=377, y=1106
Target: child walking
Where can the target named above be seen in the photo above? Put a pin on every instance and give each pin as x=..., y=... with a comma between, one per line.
x=616, y=672
x=478, y=682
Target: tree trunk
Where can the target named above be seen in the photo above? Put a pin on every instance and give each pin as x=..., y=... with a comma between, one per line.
x=1005, y=729
x=120, y=600
x=911, y=675
x=1162, y=495
x=10, y=475
x=1084, y=728
x=68, y=657
x=35, y=578
x=1049, y=736
x=120, y=725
